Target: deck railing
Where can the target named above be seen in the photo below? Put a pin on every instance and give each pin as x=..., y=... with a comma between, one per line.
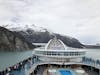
x=28, y=66
x=85, y=61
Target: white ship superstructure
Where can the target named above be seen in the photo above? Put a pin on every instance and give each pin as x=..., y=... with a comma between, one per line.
x=57, y=51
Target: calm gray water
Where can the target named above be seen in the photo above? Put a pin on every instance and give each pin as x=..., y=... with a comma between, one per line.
x=94, y=53
x=10, y=58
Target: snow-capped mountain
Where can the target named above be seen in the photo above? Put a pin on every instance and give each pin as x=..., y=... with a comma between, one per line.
x=10, y=41
x=34, y=34
x=25, y=28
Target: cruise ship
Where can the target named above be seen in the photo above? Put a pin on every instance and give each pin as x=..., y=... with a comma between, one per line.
x=55, y=58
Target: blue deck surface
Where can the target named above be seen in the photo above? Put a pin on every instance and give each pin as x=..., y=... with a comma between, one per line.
x=65, y=72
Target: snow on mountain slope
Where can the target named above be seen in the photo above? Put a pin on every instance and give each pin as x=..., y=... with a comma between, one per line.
x=34, y=34
x=25, y=28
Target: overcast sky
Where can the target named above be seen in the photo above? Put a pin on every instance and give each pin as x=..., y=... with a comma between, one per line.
x=76, y=18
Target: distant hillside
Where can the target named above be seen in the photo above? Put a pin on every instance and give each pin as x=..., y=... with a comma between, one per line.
x=92, y=46
x=34, y=34
x=43, y=37
x=21, y=38
x=9, y=41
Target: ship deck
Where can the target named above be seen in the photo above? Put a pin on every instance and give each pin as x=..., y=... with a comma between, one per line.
x=41, y=68
x=44, y=70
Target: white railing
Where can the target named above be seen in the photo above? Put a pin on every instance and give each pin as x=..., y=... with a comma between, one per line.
x=85, y=61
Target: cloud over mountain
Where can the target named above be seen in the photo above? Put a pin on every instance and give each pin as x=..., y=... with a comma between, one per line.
x=78, y=18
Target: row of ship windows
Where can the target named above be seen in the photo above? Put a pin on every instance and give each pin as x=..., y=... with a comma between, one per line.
x=61, y=53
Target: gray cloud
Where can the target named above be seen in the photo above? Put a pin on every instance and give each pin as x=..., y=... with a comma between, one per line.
x=78, y=18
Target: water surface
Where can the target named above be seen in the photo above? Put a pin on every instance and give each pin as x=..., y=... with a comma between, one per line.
x=10, y=58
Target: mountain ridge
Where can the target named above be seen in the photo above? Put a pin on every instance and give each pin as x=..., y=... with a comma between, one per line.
x=42, y=35
x=33, y=34
x=25, y=27
x=9, y=41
